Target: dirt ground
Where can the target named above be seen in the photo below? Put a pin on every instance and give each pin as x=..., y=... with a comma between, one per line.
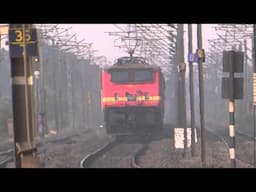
x=67, y=149
x=163, y=154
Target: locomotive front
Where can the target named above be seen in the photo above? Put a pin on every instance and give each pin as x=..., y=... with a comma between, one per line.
x=132, y=96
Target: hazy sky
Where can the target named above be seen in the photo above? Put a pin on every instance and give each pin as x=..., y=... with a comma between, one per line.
x=104, y=43
x=99, y=36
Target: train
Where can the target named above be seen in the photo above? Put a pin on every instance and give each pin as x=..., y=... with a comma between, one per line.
x=132, y=96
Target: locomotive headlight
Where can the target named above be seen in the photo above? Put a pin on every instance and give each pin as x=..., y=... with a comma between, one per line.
x=116, y=96
x=146, y=96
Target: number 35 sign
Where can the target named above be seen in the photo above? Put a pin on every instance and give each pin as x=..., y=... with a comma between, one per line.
x=16, y=42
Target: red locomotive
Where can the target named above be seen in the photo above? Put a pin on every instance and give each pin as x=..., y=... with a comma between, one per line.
x=132, y=96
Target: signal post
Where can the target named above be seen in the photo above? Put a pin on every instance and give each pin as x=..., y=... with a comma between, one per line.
x=232, y=88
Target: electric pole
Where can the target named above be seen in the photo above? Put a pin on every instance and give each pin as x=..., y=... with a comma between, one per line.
x=191, y=90
x=23, y=45
x=182, y=116
x=54, y=79
x=201, y=92
x=254, y=92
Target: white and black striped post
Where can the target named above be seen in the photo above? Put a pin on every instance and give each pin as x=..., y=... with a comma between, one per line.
x=231, y=108
x=232, y=88
x=232, y=133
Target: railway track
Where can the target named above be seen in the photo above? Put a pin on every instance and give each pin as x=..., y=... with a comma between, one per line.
x=246, y=144
x=119, y=142
x=6, y=157
x=135, y=158
x=224, y=140
x=245, y=135
x=134, y=145
x=88, y=159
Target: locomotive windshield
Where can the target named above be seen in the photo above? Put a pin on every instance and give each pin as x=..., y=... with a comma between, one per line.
x=119, y=76
x=141, y=75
